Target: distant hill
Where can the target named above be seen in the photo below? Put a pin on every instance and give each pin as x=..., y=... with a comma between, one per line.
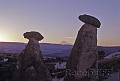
x=49, y=49
x=109, y=50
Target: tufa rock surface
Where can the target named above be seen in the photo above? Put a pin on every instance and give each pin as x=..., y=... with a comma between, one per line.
x=90, y=20
x=30, y=64
x=83, y=54
x=33, y=34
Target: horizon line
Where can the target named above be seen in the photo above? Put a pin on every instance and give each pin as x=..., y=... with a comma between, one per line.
x=55, y=43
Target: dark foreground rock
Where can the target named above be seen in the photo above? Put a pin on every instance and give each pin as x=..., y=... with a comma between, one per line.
x=30, y=64
x=84, y=52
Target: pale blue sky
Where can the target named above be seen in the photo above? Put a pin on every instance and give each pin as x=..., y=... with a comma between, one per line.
x=57, y=20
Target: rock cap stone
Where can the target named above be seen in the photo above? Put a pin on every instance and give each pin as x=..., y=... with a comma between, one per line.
x=90, y=20
x=33, y=34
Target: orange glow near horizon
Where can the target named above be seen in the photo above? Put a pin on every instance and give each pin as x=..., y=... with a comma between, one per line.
x=7, y=38
x=109, y=42
x=3, y=37
x=10, y=37
x=15, y=37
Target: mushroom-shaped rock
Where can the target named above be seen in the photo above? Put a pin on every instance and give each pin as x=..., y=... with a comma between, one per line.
x=90, y=20
x=84, y=52
x=30, y=64
x=33, y=34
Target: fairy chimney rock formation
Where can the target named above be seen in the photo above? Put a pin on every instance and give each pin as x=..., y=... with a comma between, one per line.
x=84, y=52
x=31, y=58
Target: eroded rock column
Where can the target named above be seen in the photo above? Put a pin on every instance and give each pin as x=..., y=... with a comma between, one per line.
x=30, y=64
x=84, y=52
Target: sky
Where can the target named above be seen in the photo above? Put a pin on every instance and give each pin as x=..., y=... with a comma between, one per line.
x=57, y=20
